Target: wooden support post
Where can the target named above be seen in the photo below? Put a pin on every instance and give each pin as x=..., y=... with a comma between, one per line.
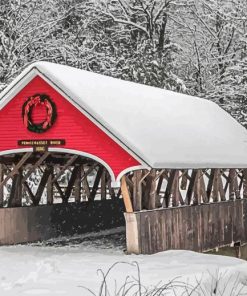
x=175, y=190
x=71, y=183
x=152, y=189
x=241, y=177
x=203, y=190
x=133, y=233
x=221, y=187
x=170, y=184
x=184, y=179
x=77, y=187
x=103, y=185
x=237, y=190
x=137, y=190
x=85, y=185
x=29, y=191
x=197, y=188
x=191, y=187
x=41, y=187
x=1, y=188
x=245, y=183
x=111, y=190
x=210, y=184
x=233, y=185
x=15, y=198
x=160, y=182
x=50, y=187
x=126, y=196
x=215, y=188
x=96, y=184
x=60, y=191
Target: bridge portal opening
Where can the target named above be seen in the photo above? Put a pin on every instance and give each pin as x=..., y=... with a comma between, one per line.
x=44, y=195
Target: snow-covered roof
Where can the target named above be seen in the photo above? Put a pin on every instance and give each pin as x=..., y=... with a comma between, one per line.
x=163, y=129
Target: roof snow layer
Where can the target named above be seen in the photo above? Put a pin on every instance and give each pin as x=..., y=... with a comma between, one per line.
x=164, y=129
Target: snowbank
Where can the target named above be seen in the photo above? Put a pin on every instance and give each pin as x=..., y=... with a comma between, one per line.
x=67, y=269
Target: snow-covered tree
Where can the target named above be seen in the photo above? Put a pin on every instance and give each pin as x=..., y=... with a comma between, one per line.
x=192, y=46
x=28, y=33
x=136, y=43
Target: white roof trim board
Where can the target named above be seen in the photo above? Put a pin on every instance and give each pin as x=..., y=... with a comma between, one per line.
x=161, y=128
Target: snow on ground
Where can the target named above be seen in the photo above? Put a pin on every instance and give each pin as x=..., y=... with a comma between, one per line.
x=66, y=266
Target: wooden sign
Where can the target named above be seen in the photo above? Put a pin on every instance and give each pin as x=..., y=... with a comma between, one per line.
x=41, y=145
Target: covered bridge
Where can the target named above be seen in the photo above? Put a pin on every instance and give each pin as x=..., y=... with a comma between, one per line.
x=179, y=162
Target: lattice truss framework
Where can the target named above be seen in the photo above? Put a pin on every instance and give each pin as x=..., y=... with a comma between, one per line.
x=72, y=178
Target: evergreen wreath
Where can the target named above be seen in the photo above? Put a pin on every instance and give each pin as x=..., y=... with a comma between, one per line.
x=51, y=113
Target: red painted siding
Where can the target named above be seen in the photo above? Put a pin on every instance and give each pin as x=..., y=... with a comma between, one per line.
x=78, y=131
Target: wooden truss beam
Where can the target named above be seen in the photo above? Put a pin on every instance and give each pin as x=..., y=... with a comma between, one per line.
x=126, y=196
x=35, y=166
x=71, y=183
x=103, y=185
x=245, y=183
x=15, y=199
x=77, y=185
x=65, y=167
x=41, y=186
x=16, y=168
x=96, y=184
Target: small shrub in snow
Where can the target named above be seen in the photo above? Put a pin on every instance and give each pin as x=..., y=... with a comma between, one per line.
x=219, y=284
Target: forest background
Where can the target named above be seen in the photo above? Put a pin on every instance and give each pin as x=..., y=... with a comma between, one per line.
x=198, y=47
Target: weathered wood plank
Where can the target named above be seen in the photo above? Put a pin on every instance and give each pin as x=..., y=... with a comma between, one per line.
x=199, y=228
x=126, y=196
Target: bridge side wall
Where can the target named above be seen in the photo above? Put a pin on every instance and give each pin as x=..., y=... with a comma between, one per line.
x=30, y=224
x=198, y=228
